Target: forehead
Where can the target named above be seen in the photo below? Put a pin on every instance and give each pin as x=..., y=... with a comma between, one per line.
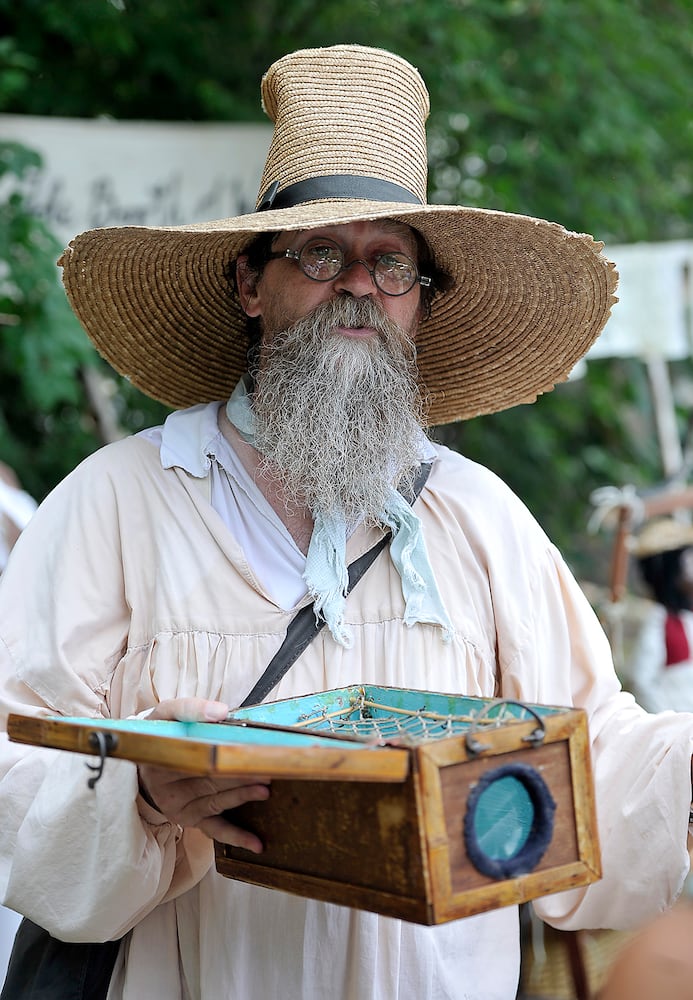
x=396, y=233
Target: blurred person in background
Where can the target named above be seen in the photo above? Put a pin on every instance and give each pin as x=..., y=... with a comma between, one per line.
x=660, y=668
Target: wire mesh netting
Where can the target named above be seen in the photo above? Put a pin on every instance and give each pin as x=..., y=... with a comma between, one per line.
x=372, y=720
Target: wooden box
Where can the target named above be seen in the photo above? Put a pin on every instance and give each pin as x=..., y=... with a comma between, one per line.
x=414, y=804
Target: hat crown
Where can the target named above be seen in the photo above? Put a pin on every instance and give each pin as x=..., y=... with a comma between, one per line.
x=346, y=110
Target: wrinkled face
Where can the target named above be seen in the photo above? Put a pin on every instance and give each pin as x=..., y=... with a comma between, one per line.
x=283, y=294
x=339, y=411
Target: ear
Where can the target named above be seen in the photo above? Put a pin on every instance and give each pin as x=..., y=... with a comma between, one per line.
x=246, y=282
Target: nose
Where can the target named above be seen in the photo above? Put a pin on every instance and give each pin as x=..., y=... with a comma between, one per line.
x=357, y=281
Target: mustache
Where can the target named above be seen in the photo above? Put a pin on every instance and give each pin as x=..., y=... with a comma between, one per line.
x=345, y=310
x=348, y=311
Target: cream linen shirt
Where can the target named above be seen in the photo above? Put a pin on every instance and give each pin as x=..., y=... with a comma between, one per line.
x=127, y=588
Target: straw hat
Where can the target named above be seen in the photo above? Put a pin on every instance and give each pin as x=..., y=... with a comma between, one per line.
x=663, y=534
x=527, y=299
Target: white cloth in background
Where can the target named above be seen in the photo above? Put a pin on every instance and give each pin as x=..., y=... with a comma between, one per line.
x=650, y=319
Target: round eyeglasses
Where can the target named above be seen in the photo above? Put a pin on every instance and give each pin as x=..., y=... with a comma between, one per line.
x=322, y=260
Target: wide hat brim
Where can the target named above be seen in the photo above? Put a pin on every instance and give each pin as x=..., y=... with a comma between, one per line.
x=528, y=298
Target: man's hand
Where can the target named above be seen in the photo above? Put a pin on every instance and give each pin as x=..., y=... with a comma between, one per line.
x=191, y=800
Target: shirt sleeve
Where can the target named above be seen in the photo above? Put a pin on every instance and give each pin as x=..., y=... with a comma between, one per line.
x=551, y=649
x=641, y=765
x=84, y=863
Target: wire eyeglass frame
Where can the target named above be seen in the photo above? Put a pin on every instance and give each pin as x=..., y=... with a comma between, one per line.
x=382, y=261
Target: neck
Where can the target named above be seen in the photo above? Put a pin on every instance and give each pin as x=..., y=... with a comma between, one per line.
x=297, y=520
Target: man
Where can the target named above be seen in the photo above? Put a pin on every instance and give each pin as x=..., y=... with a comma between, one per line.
x=160, y=577
x=659, y=670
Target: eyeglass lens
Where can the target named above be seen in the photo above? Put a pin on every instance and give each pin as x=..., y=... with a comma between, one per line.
x=394, y=273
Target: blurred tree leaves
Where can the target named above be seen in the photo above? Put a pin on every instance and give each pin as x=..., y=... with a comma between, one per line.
x=41, y=343
x=47, y=422
x=31, y=299
x=577, y=112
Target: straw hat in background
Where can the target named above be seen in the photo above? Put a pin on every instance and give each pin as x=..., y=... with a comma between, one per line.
x=526, y=298
x=662, y=534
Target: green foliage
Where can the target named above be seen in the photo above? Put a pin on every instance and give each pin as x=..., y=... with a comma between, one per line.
x=37, y=368
x=577, y=112
x=46, y=422
x=31, y=300
x=554, y=452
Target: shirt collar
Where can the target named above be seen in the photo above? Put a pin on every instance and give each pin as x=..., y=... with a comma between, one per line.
x=191, y=438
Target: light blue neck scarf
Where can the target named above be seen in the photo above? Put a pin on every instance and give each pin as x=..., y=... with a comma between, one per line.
x=326, y=574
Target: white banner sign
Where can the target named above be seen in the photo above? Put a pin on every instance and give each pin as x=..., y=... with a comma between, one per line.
x=652, y=318
x=98, y=172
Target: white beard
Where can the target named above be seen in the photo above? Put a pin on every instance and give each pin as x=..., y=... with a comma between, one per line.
x=339, y=420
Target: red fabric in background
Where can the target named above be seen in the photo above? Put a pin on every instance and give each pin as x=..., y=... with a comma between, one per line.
x=675, y=640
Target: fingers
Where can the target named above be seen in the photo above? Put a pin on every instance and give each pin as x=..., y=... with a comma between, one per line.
x=206, y=812
x=199, y=806
x=225, y=832
x=192, y=801
x=190, y=710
